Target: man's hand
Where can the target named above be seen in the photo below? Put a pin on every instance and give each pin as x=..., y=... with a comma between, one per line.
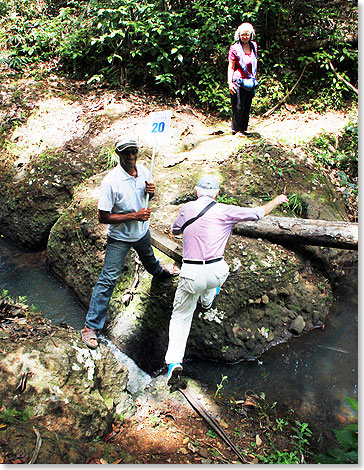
x=149, y=188
x=143, y=214
x=281, y=199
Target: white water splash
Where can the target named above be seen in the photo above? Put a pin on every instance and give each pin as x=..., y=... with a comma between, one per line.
x=138, y=379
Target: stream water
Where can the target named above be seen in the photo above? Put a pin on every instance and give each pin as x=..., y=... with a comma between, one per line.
x=310, y=374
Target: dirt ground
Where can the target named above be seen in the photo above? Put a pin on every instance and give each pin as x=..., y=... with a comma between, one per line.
x=167, y=430
x=161, y=427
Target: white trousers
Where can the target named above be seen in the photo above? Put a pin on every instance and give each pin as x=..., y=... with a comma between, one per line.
x=196, y=281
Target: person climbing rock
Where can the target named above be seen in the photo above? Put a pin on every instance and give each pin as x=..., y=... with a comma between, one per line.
x=122, y=205
x=206, y=227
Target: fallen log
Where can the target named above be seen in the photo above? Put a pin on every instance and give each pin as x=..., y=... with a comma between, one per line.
x=335, y=234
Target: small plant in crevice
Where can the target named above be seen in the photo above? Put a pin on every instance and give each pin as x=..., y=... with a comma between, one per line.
x=211, y=434
x=225, y=199
x=296, y=205
x=220, y=386
x=108, y=158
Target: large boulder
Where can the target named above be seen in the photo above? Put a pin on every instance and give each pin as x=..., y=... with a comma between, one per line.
x=268, y=288
x=49, y=375
x=47, y=187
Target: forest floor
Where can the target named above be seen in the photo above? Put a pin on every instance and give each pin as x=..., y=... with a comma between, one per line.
x=167, y=430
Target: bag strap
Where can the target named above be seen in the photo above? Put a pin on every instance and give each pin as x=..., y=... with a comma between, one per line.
x=204, y=210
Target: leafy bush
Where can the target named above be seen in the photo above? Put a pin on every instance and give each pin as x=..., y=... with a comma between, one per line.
x=181, y=47
x=339, y=156
x=347, y=453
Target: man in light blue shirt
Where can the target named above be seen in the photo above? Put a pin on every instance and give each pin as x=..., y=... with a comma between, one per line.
x=122, y=205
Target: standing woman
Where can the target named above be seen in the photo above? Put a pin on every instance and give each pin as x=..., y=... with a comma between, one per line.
x=242, y=65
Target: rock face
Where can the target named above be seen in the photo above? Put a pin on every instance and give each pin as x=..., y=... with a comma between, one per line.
x=35, y=193
x=67, y=387
x=268, y=288
x=77, y=242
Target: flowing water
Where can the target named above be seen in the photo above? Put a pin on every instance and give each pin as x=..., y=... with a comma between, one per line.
x=310, y=374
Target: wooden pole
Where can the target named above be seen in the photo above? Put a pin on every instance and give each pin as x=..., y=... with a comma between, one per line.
x=151, y=171
x=150, y=174
x=336, y=234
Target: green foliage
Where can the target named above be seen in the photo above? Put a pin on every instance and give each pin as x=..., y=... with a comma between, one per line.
x=296, y=205
x=339, y=156
x=347, y=438
x=107, y=157
x=280, y=423
x=181, y=47
x=300, y=442
x=5, y=294
x=225, y=199
x=212, y=434
x=10, y=416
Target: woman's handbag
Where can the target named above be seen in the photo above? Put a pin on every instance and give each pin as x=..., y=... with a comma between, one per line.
x=249, y=84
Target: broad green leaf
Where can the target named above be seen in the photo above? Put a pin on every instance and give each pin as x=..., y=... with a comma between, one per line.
x=346, y=438
x=351, y=402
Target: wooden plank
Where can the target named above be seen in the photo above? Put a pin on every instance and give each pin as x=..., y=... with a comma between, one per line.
x=166, y=245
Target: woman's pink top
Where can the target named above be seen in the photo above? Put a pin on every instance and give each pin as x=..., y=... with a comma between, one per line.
x=233, y=56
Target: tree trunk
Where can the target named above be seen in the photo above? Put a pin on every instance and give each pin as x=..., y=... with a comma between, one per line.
x=336, y=234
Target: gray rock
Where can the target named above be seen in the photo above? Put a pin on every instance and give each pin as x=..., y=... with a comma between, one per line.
x=69, y=386
x=298, y=325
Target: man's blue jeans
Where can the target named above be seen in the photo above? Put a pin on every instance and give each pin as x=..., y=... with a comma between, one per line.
x=116, y=252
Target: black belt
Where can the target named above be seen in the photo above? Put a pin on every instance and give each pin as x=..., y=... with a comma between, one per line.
x=208, y=261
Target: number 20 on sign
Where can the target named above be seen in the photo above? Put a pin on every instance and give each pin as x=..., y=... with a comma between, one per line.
x=159, y=124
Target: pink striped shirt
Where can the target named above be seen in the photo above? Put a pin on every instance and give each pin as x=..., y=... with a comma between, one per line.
x=206, y=238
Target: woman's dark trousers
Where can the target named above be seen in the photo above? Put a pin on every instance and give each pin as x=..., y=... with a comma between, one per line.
x=241, y=102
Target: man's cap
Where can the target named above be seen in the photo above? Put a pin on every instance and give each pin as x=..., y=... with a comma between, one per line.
x=208, y=182
x=125, y=142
